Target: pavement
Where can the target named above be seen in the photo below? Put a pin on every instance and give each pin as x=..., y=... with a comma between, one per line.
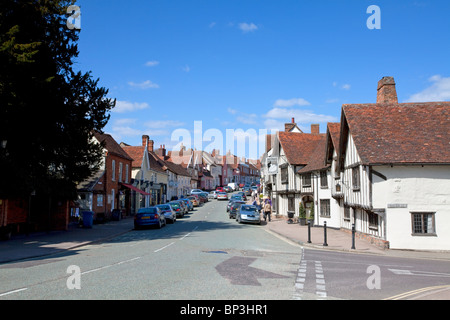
x=37, y=245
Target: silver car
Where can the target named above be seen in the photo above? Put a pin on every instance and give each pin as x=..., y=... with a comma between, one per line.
x=168, y=212
x=248, y=213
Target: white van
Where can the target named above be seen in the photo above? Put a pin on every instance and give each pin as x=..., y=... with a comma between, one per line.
x=233, y=186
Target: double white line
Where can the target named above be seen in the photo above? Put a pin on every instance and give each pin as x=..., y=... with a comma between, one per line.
x=415, y=292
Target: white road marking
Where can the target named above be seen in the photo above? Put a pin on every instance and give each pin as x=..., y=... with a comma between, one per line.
x=11, y=292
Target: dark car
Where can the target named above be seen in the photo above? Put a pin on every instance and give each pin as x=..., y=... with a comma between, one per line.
x=232, y=199
x=248, y=213
x=151, y=216
x=188, y=203
x=248, y=191
x=203, y=197
x=234, y=207
x=176, y=206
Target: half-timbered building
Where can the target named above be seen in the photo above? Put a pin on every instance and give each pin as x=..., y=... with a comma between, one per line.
x=394, y=160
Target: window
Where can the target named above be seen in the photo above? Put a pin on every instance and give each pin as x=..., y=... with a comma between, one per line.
x=126, y=173
x=373, y=220
x=325, y=207
x=113, y=170
x=120, y=171
x=284, y=175
x=347, y=213
x=356, y=182
x=99, y=200
x=423, y=223
x=323, y=179
x=306, y=180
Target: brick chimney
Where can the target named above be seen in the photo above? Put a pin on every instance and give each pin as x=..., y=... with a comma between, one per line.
x=386, y=92
x=146, y=140
x=161, y=151
x=315, y=129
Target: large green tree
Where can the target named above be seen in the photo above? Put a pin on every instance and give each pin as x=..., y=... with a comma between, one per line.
x=48, y=112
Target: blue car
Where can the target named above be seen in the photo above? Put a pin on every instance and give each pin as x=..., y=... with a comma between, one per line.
x=151, y=216
x=168, y=212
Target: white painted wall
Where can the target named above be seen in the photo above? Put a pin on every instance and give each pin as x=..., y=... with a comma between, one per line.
x=422, y=189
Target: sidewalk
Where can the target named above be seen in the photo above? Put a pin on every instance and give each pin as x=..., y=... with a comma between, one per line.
x=342, y=241
x=40, y=244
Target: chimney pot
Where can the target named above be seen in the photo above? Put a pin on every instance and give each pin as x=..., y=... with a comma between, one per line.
x=293, y=120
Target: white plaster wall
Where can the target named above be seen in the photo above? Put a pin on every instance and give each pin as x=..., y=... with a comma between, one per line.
x=422, y=189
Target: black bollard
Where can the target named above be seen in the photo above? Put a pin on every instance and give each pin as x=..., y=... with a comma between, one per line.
x=353, y=236
x=325, y=244
x=309, y=231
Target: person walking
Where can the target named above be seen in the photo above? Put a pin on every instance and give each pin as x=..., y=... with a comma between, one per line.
x=267, y=211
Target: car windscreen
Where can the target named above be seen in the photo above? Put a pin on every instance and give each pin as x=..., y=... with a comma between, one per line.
x=164, y=207
x=147, y=210
x=248, y=208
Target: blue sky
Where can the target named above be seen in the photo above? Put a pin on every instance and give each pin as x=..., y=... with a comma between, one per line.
x=255, y=64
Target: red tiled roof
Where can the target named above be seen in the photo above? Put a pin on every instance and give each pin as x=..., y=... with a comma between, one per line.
x=398, y=133
x=298, y=147
x=317, y=158
x=111, y=145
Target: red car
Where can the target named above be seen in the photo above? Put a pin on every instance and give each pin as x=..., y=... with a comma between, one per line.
x=220, y=189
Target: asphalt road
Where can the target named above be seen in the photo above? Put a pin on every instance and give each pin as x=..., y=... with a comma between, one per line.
x=207, y=256
x=204, y=255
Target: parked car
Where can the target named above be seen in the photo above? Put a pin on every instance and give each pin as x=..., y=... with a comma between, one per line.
x=203, y=197
x=151, y=216
x=242, y=193
x=228, y=189
x=196, y=191
x=248, y=191
x=168, y=212
x=232, y=199
x=222, y=196
x=188, y=203
x=248, y=213
x=194, y=199
x=176, y=206
x=212, y=195
x=233, y=208
x=234, y=186
x=183, y=205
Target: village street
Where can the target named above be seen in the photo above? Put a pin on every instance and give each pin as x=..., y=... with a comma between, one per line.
x=207, y=256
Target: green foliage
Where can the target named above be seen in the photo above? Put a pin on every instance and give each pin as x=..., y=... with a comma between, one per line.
x=48, y=111
x=302, y=212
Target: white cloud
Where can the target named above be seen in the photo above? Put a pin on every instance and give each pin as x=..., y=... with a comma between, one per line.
x=186, y=68
x=232, y=111
x=291, y=102
x=438, y=91
x=346, y=86
x=247, y=118
x=151, y=63
x=247, y=27
x=125, y=131
x=164, y=124
x=125, y=121
x=144, y=85
x=301, y=116
x=126, y=106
